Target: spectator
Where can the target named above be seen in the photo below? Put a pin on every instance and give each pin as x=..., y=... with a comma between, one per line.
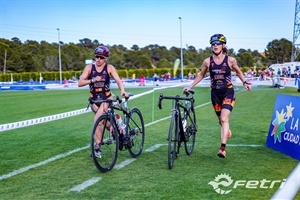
x=297, y=80
x=66, y=83
x=155, y=79
x=168, y=76
x=133, y=78
x=278, y=72
x=142, y=80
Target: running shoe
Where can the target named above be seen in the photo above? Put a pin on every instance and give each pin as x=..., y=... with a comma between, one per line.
x=222, y=153
x=229, y=134
x=98, y=153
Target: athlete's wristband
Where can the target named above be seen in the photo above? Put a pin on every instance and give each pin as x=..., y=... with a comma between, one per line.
x=245, y=82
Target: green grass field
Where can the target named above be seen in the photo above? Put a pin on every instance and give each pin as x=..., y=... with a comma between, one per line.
x=52, y=158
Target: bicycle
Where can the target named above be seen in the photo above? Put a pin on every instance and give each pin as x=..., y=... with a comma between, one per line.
x=111, y=139
x=182, y=127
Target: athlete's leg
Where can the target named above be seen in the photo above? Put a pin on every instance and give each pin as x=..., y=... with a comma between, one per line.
x=101, y=110
x=227, y=106
x=224, y=121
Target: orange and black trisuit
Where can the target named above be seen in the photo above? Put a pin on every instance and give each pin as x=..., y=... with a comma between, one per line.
x=222, y=92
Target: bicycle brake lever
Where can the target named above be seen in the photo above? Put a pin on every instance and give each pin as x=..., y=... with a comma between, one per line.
x=159, y=101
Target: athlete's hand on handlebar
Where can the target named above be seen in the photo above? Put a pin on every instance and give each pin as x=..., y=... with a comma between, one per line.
x=185, y=89
x=124, y=94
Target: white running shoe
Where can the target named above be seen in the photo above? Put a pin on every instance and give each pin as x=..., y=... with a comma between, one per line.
x=98, y=153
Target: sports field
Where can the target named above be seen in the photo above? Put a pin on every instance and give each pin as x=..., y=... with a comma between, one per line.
x=52, y=160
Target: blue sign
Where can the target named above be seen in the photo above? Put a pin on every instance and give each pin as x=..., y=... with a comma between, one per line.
x=284, y=131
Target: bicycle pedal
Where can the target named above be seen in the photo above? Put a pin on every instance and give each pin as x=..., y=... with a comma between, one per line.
x=121, y=146
x=129, y=145
x=108, y=142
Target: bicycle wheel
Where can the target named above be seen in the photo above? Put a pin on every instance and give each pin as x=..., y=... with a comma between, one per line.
x=136, y=130
x=190, y=133
x=172, y=140
x=108, y=146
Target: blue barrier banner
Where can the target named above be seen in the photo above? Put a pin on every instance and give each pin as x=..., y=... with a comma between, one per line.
x=284, y=131
x=22, y=87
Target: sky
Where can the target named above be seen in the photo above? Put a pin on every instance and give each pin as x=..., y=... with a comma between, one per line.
x=247, y=24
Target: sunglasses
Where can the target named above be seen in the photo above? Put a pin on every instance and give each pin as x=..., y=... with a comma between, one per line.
x=216, y=43
x=101, y=57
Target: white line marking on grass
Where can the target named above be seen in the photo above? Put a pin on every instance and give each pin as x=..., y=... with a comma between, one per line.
x=24, y=169
x=204, y=104
x=85, y=184
x=124, y=163
x=244, y=145
x=156, y=146
x=154, y=122
x=92, y=181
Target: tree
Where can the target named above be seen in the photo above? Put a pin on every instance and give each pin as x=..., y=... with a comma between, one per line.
x=135, y=47
x=259, y=59
x=192, y=57
x=27, y=62
x=164, y=63
x=246, y=59
x=71, y=57
x=16, y=40
x=135, y=60
x=87, y=43
x=43, y=56
x=51, y=63
x=279, y=51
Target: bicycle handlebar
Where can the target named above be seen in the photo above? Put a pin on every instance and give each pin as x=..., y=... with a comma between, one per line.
x=177, y=97
x=188, y=92
x=118, y=100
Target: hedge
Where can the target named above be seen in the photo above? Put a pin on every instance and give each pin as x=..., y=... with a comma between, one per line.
x=123, y=73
